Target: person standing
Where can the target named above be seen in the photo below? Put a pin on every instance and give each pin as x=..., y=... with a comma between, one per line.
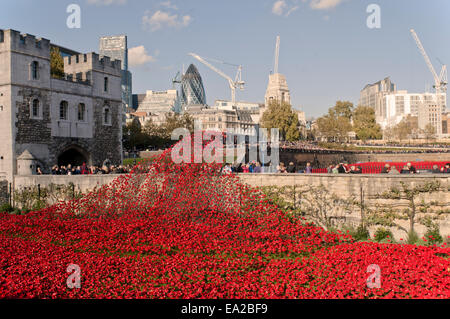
x=291, y=168
x=308, y=169
x=412, y=169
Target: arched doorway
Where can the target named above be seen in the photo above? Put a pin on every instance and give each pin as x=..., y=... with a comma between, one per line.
x=75, y=156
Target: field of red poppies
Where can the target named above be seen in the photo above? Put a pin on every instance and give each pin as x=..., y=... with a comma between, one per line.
x=187, y=231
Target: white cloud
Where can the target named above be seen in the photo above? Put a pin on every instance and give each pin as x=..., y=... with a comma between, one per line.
x=162, y=19
x=282, y=8
x=291, y=10
x=278, y=7
x=325, y=4
x=139, y=56
x=168, y=5
x=106, y=2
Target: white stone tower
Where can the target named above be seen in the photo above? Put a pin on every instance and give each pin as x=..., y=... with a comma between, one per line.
x=277, y=89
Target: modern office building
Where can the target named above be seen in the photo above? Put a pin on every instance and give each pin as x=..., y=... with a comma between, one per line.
x=373, y=95
x=192, y=89
x=116, y=47
x=159, y=102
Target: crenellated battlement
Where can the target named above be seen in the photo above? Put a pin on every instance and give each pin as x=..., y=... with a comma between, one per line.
x=24, y=41
x=92, y=61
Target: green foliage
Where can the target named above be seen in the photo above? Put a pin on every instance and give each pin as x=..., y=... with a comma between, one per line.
x=56, y=63
x=151, y=134
x=365, y=125
x=413, y=238
x=315, y=203
x=361, y=233
x=282, y=116
x=383, y=233
x=407, y=127
x=390, y=214
x=6, y=208
x=433, y=235
x=429, y=131
x=336, y=125
x=29, y=198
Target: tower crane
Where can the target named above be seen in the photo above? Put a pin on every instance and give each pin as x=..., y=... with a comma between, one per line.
x=176, y=80
x=440, y=81
x=234, y=84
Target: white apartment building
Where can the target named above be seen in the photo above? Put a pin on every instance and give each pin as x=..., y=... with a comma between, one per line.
x=423, y=105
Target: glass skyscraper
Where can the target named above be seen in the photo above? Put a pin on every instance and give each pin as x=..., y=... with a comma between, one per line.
x=192, y=90
x=116, y=48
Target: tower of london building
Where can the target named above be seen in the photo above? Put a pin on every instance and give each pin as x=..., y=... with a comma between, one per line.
x=74, y=119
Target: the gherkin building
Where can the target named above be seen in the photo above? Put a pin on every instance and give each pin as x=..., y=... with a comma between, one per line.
x=192, y=90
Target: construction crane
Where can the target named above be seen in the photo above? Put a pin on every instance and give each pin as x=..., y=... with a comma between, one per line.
x=234, y=84
x=277, y=55
x=440, y=81
x=176, y=80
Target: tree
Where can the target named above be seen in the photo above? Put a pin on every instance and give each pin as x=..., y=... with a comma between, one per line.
x=343, y=109
x=408, y=126
x=174, y=121
x=336, y=125
x=365, y=125
x=133, y=136
x=429, y=131
x=389, y=133
x=282, y=116
x=417, y=211
x=56, y=63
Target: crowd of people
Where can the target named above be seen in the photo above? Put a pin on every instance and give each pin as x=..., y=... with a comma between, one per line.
x=301, y=145
x=424, y=145
x=253, y=167
x=340, y=168
x=409, y=169
x=88, y=170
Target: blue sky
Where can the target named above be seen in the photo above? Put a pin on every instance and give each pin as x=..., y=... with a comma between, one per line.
x=327, y=51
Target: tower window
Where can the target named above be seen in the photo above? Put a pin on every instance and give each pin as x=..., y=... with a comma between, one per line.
x=35, y=70
x=105, y=85
x=63, y=109
x=106, y=115
x=36, y=109
x=81, y=112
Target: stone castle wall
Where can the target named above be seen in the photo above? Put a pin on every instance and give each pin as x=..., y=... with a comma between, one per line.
x=365, y=188
x=4, y=197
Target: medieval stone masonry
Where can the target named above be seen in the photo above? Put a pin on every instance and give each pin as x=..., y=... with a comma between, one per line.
x=74, y=119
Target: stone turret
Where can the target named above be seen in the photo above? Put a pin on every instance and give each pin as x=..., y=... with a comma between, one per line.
x=26, y=164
